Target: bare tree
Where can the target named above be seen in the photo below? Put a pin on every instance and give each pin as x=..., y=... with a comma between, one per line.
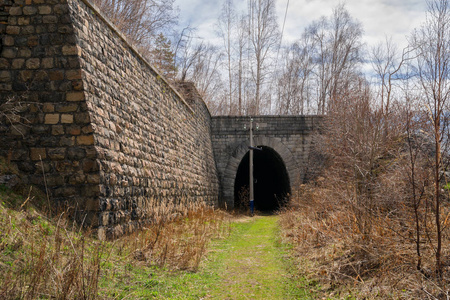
x=140, y=20
x=387, y=64
x=294, y=83
x=205, y=72
x=264, y=39
x=338, y=46
x=432, y=44
x=417, y=169
x=226, y=27
x=186, y=52
x=242, y=45
x=199, y=63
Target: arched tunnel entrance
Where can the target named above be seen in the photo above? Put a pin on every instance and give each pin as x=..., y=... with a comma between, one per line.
x=271, y=185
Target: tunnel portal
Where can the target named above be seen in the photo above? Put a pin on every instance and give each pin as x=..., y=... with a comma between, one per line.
x=271, y=179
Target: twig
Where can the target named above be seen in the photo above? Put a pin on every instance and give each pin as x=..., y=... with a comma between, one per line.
x=28, y=198
x=45, y=184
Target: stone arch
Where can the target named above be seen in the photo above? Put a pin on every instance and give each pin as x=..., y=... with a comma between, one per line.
x=229, y=176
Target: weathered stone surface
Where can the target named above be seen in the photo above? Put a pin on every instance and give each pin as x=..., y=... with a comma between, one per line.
x=70, y=50
x=75, y=96
x=38, y=153
x=48, y=107
x=45, y=9
x=47, y=63
x=9, y=53
x=85, y=140
x=51, y=119
x=57, y=153
x=29, y=10
x=15, y=11
x=13, y=30
x=8, y=40
x=33, y=63
x=23, y=21
x=57, y=129
x=73, y=74
x=66, y=119
x=49, y=19
x=24, y=52
x=4, y=63
x=18, y=63
x=108, y=129
x=5, y=76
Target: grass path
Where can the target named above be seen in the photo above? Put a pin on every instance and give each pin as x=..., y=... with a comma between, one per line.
x=250, y=263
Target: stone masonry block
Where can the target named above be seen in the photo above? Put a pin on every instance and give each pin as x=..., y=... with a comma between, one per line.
x=23, y=21
x=67, y=108
x=57, y=129
x=73, y=74
x=75, y=96
x=15, y=11
x=5, y=76
x=18, y=63
x=66, y=119
x=38, y=153
x=47, y=63
x=4, y=63
x=48, y=107
x=70, y=50
x=44, y=10
x=57, y=153
x=30, y=10
x=49, y=19
x=13, y=30
x=33, y=63
x=24, y=52
x=85, y=140
x=56, y=75
x=51, y=119
x=8, y=40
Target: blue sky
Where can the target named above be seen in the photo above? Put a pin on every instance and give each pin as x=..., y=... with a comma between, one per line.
x=380, y=18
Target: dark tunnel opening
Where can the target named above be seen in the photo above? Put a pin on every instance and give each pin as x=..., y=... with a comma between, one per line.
x=271, y=181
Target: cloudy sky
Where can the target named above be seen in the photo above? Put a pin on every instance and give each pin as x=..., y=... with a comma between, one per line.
x=380, y=18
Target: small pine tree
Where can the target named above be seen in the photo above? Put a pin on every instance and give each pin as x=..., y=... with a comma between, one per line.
x=162, y=57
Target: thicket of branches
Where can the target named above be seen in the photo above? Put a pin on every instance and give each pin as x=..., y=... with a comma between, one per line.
x=379, y=213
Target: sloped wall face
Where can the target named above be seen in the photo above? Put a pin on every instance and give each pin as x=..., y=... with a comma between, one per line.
x=111, y=133
x=151, y=144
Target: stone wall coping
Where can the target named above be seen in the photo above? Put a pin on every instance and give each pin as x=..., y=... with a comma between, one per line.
x=113, y=27
x=270, y=116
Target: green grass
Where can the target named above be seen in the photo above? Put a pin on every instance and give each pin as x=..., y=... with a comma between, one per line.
x=250, y=264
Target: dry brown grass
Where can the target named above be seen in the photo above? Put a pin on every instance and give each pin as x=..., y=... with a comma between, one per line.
x=41, y=260
x=53, y=258
x=179, y=235
x=379, y=262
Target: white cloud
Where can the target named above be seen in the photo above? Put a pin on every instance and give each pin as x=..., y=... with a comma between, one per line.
x=380, y=18
x=396, y=18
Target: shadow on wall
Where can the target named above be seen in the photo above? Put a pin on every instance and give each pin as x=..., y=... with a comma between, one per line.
x=271, y=186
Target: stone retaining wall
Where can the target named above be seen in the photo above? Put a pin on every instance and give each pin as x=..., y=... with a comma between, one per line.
x=108, y=131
